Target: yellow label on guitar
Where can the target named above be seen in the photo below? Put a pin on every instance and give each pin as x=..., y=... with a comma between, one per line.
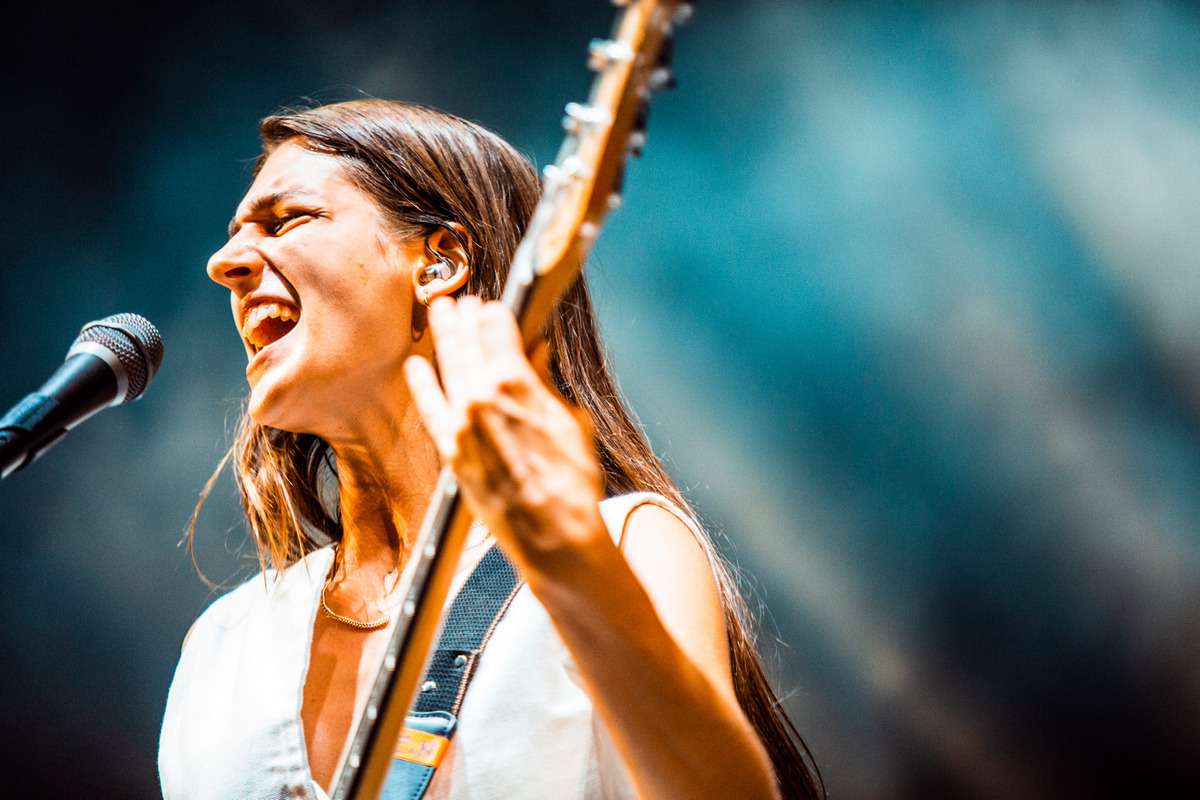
x=421, y=747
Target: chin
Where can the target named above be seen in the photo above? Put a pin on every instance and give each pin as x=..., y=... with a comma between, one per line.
x=288, y=406
x=269, y=405
x=265, y=412
x=276, y=397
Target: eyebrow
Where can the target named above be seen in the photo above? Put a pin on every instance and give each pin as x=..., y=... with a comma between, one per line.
x=263, y=202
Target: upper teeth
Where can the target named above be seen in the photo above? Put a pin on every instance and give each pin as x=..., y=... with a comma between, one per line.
x=258, y=313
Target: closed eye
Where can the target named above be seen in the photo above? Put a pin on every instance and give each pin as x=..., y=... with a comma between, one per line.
x=286, y=222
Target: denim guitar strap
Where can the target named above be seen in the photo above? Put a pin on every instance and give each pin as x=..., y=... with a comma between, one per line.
x=429, y=727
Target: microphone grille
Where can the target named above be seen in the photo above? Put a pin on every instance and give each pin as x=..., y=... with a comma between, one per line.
x=135, y=342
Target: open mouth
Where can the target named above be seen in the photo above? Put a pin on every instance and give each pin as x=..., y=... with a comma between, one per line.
x=267, y=323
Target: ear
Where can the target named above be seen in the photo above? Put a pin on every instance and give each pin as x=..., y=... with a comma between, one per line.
x=448, y=245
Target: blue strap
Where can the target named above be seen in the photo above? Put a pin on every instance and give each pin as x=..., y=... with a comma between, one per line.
x=408, y=780
x=473, y=615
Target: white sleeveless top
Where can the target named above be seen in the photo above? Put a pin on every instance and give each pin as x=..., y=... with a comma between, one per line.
x=232, y=728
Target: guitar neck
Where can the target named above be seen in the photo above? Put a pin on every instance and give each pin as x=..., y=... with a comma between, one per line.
x=581, y=187
x=426, y=585
x=426, y=581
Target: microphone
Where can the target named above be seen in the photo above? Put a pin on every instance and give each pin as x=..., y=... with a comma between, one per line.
x=111, y=362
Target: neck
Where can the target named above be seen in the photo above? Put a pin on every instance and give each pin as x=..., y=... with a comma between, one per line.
x=385, y=478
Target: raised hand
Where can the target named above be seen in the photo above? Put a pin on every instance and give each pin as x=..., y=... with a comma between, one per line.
x=524, y=459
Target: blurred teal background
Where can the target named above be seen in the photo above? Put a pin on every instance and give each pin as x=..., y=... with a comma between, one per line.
x=907, y=294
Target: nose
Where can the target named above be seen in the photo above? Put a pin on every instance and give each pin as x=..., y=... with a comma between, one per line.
x=236, y=266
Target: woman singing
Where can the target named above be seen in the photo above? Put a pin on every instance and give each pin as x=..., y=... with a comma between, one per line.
x=371, y=246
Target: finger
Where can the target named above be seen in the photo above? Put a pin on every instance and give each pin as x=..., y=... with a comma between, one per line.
x=504, y=350
x=490, y=457
x=471, y=358
x=431, y=404
x=499, y=336
x=444, y=318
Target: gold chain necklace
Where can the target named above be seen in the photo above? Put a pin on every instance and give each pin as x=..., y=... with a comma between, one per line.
x=371, y=623
x=386, y=618
x=354, y=623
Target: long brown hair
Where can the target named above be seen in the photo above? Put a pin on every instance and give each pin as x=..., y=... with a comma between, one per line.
x=428, y=170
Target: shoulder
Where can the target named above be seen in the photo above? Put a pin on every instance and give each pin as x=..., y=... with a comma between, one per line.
x=256, y=594
x=229, y=608
x=637, y=510
x=651, y=529
x=680, y=570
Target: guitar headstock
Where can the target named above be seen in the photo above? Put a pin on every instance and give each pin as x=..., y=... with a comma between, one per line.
x=584, y=182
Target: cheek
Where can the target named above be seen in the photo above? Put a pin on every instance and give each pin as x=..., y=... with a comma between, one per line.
x=378, y=306
x=354, y=305
x=357, y=332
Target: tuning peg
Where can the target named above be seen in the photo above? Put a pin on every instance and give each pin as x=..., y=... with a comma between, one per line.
x=637, y=143
x=661, y=79
x=578, y=115
x=570, y=168
x=683, y=13
x=602, y=52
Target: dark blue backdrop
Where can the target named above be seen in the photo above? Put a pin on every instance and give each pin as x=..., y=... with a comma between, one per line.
x=907, y=295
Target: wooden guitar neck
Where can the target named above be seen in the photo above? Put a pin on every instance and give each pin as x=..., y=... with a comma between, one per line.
x=580, y=189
